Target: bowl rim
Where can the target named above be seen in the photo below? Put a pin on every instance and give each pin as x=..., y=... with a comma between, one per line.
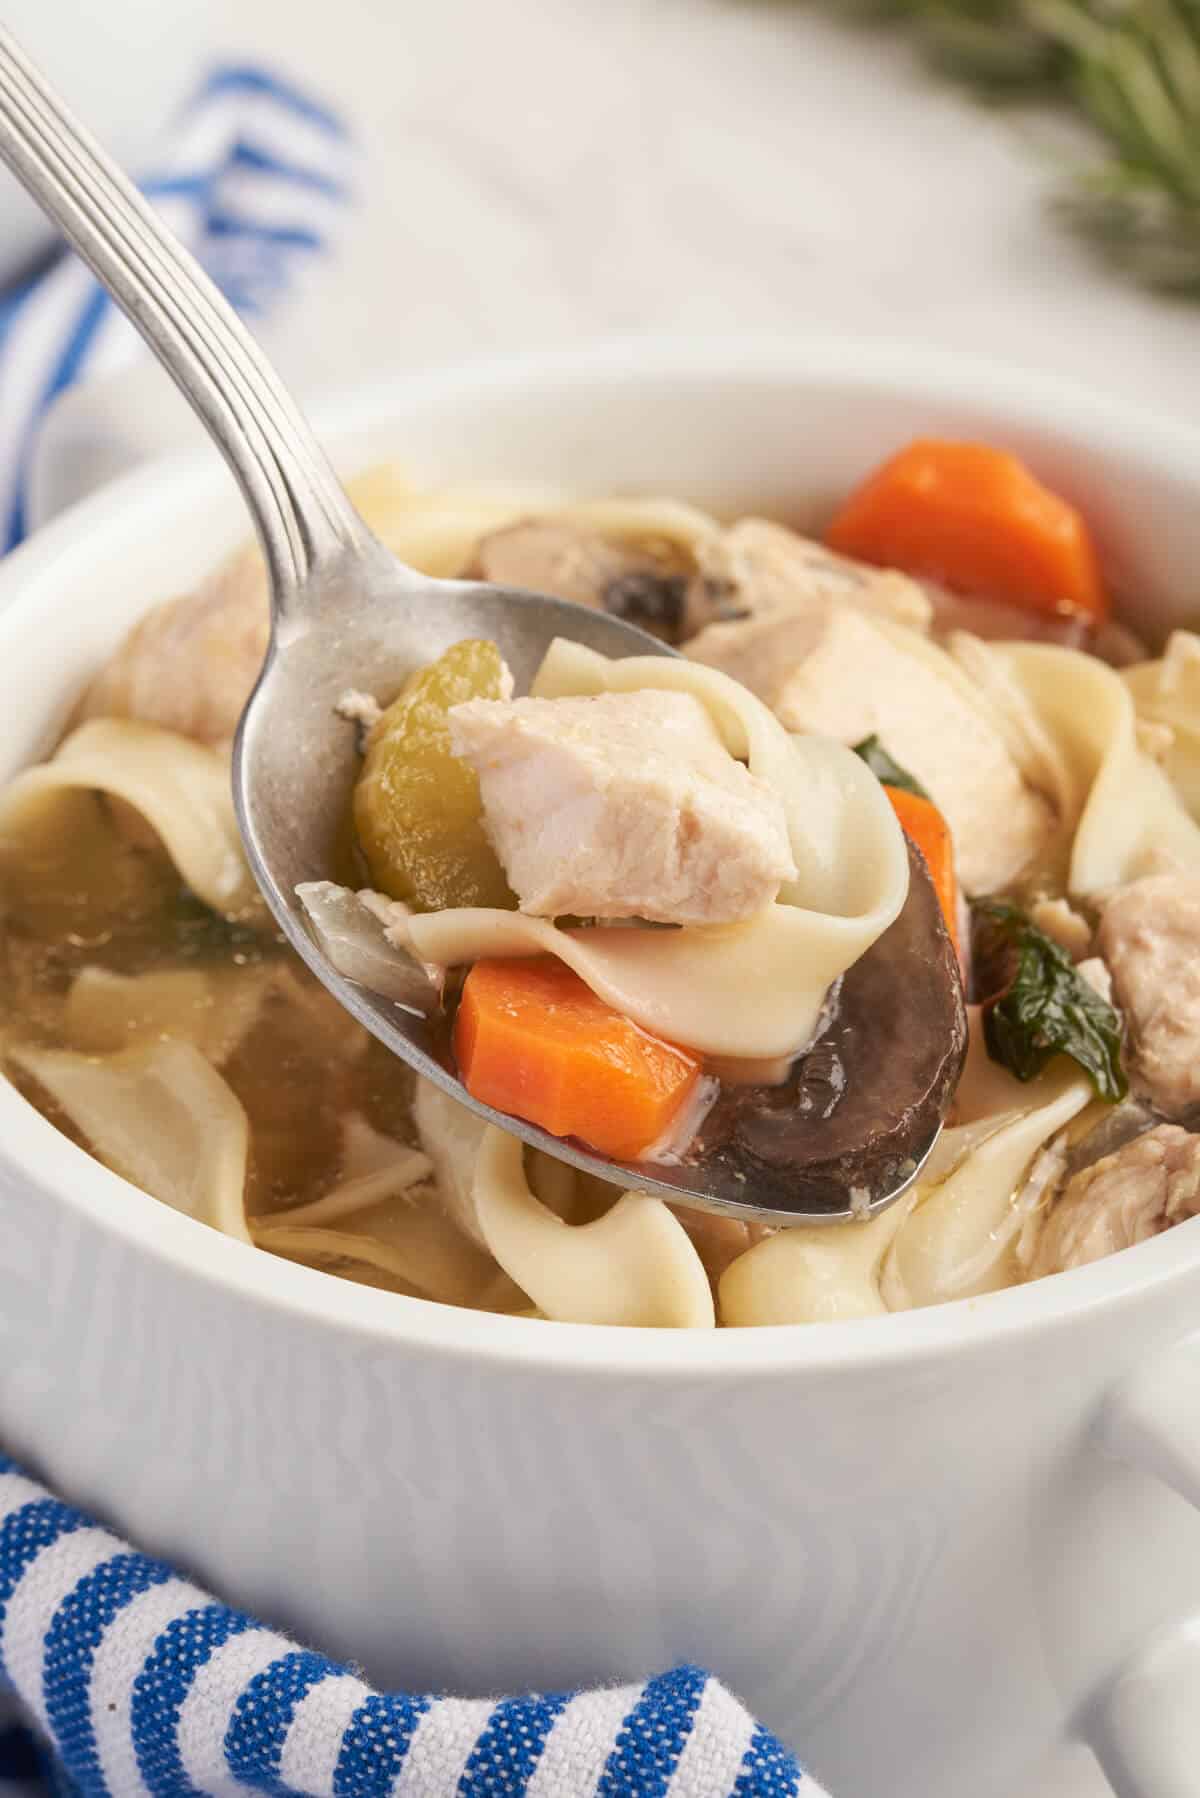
x=33, y=1148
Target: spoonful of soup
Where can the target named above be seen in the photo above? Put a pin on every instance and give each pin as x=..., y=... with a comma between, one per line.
x=592, y=889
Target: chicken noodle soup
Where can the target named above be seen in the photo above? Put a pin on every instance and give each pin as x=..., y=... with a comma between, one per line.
x=643, y=898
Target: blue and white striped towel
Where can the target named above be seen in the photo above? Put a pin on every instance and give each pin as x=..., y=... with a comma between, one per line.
x=253, y=180
x=139, y=1683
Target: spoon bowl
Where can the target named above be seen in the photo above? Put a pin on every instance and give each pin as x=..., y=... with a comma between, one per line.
x=347, y=615
x=365, y=624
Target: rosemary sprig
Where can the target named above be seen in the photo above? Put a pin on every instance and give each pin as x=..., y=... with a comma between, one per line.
x=1131, y=69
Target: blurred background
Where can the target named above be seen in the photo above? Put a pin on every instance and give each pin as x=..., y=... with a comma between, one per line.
x=539, y=172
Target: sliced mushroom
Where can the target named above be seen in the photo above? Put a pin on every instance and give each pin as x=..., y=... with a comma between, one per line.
x=875, y=1085
x=637, y=582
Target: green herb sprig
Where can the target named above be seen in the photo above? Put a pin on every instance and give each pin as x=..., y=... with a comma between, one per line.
x=1131, y=69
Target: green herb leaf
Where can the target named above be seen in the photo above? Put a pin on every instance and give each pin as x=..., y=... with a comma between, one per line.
x=1042, y=1005
x=885, y=769
x=1130, y=69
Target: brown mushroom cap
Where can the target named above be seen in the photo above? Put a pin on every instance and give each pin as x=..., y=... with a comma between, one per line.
x=863, y=1104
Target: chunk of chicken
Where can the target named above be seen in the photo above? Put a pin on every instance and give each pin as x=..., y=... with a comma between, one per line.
x=756, y=567
x=623, y=805
x=546, y=556
x=1150, y=938
x=1141, y=1190
x=832, y=671
x=189, y=665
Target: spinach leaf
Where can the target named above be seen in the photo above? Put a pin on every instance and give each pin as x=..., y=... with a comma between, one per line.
x=1041, y=1005
x=885, y=769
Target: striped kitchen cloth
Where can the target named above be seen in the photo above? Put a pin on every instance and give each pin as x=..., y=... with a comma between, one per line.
x=136, y=1682
x=253, y=179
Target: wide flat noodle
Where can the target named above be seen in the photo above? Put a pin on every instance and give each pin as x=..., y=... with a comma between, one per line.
x=1167, y=693
x=179, y=787
x=635, y=1265
x=807, y=1276
x=406, y=1238
x=439, y=531
x=213, y=1008
x=161, y=1117
x=451, y=1136
x=384, y=1221
x=1126, y=817
x=753, y=989
x=960, y=1238
x=374, y=1168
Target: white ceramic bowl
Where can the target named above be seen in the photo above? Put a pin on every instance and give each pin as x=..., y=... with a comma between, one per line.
x=926, y=1548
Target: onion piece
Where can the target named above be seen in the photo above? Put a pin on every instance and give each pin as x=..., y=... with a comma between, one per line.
x=356, y=939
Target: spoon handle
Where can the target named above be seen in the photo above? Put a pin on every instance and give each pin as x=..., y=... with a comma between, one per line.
x=303, y=517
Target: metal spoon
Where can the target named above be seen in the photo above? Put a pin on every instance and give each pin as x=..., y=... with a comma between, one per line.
x=346, y=613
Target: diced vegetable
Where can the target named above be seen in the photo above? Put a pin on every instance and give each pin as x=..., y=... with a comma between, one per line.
x=976, y=520
x=925, y=826
x=1042, y=1005
x=886, y=770
x=416, y=805
x=534, y=1041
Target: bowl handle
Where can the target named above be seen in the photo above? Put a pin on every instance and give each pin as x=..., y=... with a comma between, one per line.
x=1144, y=1724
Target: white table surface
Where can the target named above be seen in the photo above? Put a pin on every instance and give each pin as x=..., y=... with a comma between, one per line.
x=549, y=171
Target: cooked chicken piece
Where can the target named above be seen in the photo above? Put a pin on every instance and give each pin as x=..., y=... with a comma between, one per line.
x=623, y=805
x=631, y=581
x=830, y=670
x=1150, y=938
x=1059, y=920
x=1141, y=1190
x=757, y=567
x=189, y=665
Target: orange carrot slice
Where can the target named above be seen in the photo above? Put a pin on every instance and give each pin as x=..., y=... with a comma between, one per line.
x=925, y=826
x=976, y=520
x=533, y=1040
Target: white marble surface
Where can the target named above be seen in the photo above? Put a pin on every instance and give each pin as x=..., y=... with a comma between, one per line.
x=546, y=171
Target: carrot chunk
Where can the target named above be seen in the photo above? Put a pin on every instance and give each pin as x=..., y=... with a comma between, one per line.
x=925, y=826
x=976, y=520
x=532, y=1039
